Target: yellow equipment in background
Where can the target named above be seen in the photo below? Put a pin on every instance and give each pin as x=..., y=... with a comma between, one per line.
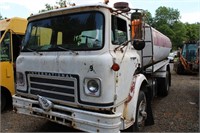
x=11, y=34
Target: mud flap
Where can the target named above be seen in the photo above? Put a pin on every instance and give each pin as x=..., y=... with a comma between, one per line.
x=150, y=119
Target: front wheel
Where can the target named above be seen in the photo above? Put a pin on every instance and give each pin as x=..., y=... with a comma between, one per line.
x=141, y=113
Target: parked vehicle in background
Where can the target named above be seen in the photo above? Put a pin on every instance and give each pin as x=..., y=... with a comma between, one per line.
x=188, y=59
x=172, y=56
x=11, y=33
x=92, y=67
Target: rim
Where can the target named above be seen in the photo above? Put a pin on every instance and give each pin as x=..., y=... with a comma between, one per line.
x=142, y=115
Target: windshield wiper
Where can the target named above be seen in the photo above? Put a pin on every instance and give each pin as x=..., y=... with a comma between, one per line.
x=66, y=49
x=31, y=50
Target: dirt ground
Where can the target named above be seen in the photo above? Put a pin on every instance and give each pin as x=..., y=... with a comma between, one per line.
x=178, y=112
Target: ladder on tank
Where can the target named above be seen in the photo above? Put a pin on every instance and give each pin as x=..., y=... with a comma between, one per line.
x=137, y=18
x=149, y=69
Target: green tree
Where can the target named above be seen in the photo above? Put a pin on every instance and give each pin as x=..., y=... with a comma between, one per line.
x=1, y=17
x=166, y=30
x=60, y=3
x=192, y=31
x=166, y=15
x=148, y=18
x=47, y=8
x=179, y=34
x=167, y=21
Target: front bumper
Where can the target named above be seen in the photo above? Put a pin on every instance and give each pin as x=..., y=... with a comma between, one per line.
x=79, y=119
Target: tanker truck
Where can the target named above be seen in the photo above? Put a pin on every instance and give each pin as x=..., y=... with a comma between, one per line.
x=92, y=67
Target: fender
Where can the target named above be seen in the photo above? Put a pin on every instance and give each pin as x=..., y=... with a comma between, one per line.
x=130, y=104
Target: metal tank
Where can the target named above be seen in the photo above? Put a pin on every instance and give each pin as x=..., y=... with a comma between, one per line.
x=157, y=46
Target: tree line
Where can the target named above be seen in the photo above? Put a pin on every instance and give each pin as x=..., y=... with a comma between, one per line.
x=166, y=20
x=1, y=17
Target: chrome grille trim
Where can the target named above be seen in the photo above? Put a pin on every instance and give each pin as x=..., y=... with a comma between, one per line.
x=55, y=86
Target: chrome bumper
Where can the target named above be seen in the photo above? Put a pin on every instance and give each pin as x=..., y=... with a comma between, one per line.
x=83, y=120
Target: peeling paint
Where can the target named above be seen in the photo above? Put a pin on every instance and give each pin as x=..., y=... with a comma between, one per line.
x=128, y=99
x=132, y=89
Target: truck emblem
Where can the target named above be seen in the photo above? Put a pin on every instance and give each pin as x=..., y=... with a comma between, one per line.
x=44, y=103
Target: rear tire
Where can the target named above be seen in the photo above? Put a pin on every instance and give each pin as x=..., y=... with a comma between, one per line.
x=163, y=85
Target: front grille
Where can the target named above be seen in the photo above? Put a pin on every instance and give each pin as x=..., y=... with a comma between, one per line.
x=54, y=86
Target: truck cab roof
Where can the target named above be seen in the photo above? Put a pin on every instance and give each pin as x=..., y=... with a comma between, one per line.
x=64, y=10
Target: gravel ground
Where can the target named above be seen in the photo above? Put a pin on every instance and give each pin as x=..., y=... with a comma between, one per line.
x=178, y=112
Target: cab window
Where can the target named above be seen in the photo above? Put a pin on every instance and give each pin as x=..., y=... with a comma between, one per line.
x=5, y=48
x=119, y=30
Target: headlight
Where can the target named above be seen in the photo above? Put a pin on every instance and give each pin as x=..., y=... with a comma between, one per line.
x=92, y=87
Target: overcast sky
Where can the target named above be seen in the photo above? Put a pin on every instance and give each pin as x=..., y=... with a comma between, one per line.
x=189, y=9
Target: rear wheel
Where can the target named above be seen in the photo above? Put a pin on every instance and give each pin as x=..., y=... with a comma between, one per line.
x=163, y=85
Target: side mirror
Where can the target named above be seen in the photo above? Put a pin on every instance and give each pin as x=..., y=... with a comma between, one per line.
x=137, y=24
x=138, y=44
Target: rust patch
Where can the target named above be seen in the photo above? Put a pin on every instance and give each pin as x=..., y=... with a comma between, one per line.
x=130, y=95
x=128, y=99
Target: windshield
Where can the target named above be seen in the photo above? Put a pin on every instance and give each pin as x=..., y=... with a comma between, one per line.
x=82, y=31
x=190, y=52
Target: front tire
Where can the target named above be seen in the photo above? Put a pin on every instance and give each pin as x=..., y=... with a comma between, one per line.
x=141, y=112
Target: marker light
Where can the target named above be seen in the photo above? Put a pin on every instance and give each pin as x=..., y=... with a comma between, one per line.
x=115, y=67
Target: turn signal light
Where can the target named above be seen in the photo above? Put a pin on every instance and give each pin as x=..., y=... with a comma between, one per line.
x=115, y=67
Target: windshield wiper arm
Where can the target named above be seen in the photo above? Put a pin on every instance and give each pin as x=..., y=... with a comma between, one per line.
x=31, y=50
x=67, y=49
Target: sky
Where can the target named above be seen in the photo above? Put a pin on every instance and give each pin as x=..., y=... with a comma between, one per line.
x=189, y=9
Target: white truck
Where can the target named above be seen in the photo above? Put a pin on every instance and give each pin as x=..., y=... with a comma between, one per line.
x=94, y=67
